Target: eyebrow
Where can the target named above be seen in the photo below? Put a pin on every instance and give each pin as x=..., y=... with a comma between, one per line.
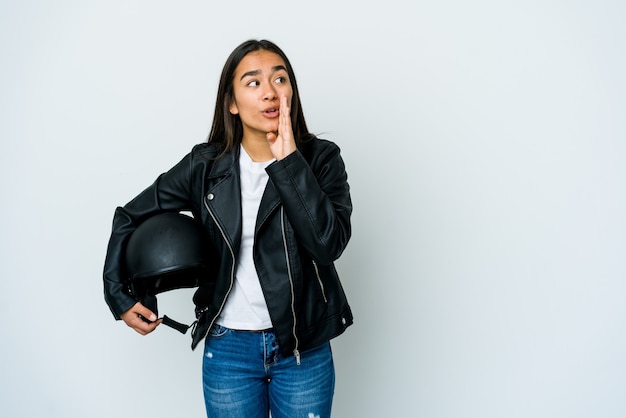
x=257, y=72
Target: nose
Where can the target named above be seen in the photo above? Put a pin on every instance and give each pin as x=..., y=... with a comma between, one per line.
x=269, y=93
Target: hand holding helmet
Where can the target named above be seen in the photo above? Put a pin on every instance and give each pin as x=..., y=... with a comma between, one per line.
x=141, y=319
x=167, y=251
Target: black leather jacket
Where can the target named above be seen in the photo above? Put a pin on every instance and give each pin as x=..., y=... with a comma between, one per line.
x=303, y=226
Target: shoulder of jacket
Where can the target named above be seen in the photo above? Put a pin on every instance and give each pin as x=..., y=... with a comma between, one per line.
x=205, y=150
x=316, y=147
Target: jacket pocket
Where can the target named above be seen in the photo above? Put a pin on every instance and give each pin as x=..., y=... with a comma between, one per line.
x=319, y=281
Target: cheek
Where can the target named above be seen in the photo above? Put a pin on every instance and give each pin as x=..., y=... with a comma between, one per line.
x=289, y=94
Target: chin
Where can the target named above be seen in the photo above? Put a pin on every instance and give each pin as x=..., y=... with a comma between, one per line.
x=273, y=128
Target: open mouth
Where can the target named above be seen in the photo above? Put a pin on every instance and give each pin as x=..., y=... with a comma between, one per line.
x=273, y=112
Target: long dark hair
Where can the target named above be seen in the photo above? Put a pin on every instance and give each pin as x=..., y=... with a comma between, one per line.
x=227, y=131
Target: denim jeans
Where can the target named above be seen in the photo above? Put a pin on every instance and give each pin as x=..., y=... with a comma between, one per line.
x=244, y=375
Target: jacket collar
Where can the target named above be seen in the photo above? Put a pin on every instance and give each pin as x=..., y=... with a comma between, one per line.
x=225, y=164
x=227, y=167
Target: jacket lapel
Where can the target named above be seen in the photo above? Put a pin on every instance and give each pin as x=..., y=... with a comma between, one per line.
x=223, y=197
x=269, y=202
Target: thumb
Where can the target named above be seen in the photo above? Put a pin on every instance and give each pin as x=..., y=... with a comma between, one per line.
x=145, y=312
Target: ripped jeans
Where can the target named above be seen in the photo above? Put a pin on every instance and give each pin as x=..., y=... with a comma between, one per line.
x=244, y=375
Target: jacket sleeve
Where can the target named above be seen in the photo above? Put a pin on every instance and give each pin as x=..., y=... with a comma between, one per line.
x=170, y=192
x=316, y=199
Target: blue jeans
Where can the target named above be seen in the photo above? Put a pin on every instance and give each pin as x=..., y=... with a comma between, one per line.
x=244, y=375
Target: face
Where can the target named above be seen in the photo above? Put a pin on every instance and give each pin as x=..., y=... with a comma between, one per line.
x=260, y=81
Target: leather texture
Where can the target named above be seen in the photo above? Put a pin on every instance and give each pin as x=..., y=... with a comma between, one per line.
x=303, y=226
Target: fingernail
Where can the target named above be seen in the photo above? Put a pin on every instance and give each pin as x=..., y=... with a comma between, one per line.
x=153, y=317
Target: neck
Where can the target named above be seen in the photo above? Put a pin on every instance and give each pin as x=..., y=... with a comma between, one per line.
x=258, y=149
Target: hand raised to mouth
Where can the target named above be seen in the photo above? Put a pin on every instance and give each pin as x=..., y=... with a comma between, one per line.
x=282, y=142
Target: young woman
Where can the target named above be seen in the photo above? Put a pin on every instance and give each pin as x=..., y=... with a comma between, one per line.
x=275, y=202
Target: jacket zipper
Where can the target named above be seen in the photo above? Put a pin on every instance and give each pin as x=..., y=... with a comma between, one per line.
x=232, y=270
x=296, y=352
x=319, y=280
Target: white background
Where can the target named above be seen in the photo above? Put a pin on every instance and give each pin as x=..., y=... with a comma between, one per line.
x=485, y=144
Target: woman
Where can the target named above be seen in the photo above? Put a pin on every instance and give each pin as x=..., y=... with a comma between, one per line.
x=276, y=203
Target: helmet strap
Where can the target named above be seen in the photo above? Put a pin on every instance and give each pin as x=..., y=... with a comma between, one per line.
x=182, y=328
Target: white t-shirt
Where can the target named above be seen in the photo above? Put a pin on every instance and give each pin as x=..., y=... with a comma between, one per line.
x=245, y=308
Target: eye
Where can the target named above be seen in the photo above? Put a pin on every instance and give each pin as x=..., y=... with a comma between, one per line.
x=253, y=83
x=281, y=80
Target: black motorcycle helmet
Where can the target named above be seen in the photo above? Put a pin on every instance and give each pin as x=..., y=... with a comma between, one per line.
x=168, y=251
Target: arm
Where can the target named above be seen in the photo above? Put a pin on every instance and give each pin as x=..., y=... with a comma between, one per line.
x=315, y=194
x=170, y=192
x=316, y=198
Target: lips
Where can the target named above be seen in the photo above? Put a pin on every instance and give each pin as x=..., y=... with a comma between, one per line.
x=272, y=112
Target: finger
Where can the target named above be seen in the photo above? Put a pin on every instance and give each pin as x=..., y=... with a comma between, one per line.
x=140, y=310
x=271, y=136
x=141, y=319
x=285, y=115
x=145, y=312
x=143, y=327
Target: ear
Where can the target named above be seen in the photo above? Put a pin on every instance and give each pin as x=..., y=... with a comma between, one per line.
x=233, y=109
